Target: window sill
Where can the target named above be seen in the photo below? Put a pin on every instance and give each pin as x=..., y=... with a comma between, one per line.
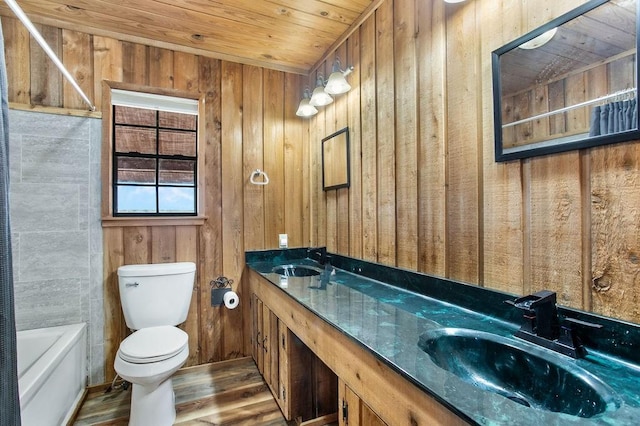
x=110, y=221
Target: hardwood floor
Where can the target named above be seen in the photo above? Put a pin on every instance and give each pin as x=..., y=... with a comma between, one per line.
x=223, y=393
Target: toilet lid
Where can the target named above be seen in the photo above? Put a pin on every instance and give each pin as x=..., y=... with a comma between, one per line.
x=153, y=344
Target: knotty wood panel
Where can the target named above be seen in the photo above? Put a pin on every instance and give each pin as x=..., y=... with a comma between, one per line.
x=503, y=206
x=253, y=99
x=464, y=199
x=232, y=217
x=135, y=64
x=274, y=196
x=386, y=170
x=161, y=67
x=210, y=245
x=185, y=72
x=107, y=64
x=18, y=60
x=431, y=150
x=406, y=133
x=369, y=124
x=614, y=230
x=331, y=196
x=318, y=132
x=342, y=194
x=354, y=214
x=113, y=318
x=46, y=86
x=77, y=55
x=294, y=143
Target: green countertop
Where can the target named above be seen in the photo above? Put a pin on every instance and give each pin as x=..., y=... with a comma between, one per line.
x=388, y=320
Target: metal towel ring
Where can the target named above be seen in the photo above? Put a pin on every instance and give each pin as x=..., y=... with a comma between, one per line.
x=258, y=173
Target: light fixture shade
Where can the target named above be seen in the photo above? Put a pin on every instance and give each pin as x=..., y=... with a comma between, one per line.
x=320, y=97
x=541, y=40
x=305, y=109
x=337, y=84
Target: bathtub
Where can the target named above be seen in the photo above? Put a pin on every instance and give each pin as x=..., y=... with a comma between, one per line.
x=52, y=365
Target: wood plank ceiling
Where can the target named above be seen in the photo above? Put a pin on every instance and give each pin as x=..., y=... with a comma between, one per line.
x=286, y=35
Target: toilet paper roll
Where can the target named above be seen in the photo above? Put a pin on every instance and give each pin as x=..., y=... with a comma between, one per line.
x=230, y=299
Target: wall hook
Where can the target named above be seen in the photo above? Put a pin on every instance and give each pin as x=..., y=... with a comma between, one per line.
x=256, y=174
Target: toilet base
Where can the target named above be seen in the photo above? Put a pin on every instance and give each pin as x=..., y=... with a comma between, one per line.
x=153, y=406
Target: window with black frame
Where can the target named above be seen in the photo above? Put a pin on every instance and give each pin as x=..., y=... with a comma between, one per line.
x=154, y=157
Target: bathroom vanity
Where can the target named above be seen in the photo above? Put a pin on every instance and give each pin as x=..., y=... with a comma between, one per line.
x=407, y=348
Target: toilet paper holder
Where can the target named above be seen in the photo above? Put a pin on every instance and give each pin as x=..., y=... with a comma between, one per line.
x=219, y=287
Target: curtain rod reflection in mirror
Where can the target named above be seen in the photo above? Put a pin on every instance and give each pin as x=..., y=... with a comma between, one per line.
x=569, y=108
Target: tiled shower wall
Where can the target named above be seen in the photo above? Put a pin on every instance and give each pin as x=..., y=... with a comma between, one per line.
x=55, y=222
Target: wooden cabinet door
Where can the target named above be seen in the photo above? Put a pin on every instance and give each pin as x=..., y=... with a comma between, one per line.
x=271, y=351
x=253, y=302
x=302, y=385
x=257, y=332
x=264, y=346
x=353, y=411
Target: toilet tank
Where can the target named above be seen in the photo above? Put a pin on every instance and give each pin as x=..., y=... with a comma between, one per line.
x=156, y=294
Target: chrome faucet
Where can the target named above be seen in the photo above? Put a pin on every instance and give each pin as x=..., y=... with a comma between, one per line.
x=542, y=326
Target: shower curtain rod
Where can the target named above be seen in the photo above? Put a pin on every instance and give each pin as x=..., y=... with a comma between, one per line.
x=42, y=42
x=569, y=108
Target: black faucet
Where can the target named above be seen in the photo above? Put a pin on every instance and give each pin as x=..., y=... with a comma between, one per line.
x=542, y=326
x=319, y=254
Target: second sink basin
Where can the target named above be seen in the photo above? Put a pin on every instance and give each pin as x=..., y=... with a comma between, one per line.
x=297, y=270
x=518, y=371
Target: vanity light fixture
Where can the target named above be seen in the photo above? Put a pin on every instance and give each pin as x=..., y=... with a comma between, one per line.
x=337, y=83
x=305, y=109
x=319, y=97
x=453, y=1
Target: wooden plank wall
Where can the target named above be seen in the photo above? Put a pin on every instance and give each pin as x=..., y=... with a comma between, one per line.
x=250, y=124
x=426, y=192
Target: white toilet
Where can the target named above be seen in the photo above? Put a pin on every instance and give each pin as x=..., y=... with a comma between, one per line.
x=155, y=298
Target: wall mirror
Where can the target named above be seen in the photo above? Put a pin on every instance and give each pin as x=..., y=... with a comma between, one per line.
x=335, y=160
x=569, y=84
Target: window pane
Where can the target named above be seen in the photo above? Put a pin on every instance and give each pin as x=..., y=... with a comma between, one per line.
x=177, y=143
x=176, y=200
x=135, y=139
x=137, y=116
x=174, y=120
x=136, y=199
x=136, y=170
x=177, y=172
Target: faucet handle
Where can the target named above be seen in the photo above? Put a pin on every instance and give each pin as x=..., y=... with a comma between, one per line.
x=573, y=321
x=524, y=303
x=569, y=338
x=543, y=296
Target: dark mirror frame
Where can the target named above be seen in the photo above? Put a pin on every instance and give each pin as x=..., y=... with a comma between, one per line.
x=549, y=148
x=326, y=164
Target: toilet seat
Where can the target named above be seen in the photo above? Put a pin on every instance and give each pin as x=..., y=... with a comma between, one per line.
x=153, y=344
